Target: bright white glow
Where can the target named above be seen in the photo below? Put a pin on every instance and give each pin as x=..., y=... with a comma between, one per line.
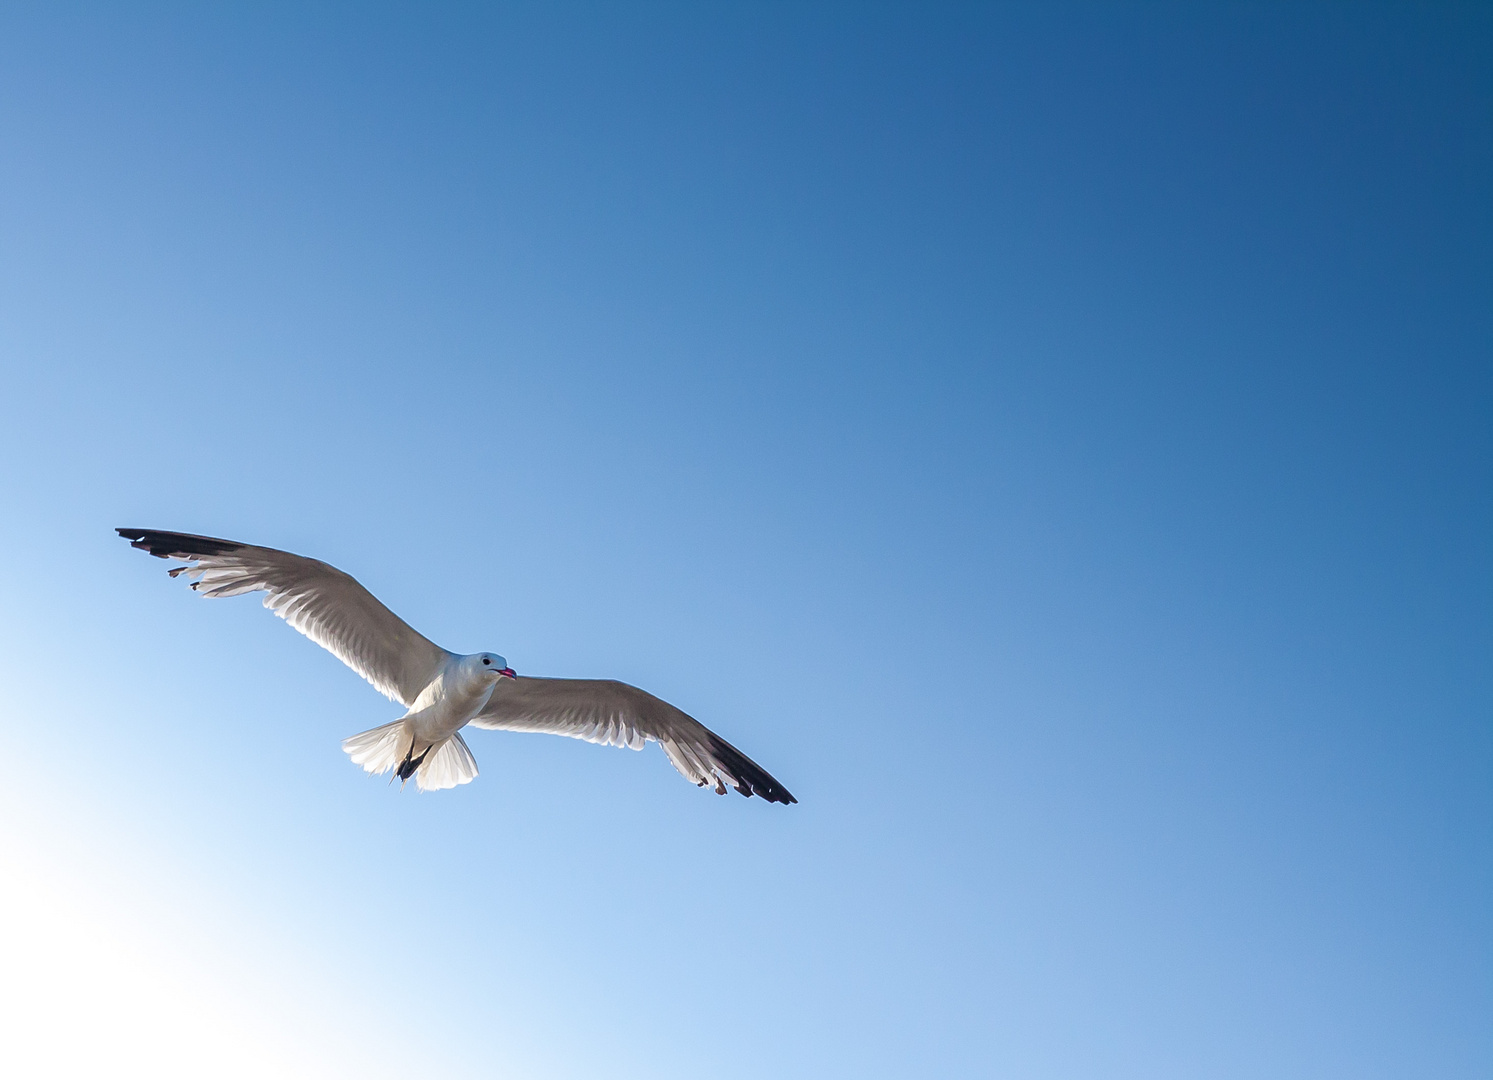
x=87, y=991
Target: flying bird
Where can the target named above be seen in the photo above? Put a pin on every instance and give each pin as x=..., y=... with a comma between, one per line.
x=443, y=691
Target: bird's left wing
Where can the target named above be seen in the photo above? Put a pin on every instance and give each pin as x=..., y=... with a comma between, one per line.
x=320, y=601
x=616, y=714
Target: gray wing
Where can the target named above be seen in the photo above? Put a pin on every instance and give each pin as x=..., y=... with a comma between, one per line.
x=320, y=601
x=616, y=714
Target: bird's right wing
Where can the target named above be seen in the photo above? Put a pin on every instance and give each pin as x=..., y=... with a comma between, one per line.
x=319, y=600
x=616, y=714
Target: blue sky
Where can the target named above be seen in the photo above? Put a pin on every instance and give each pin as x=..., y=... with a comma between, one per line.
x=1053, y=441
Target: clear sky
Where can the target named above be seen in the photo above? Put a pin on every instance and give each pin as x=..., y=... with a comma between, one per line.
x=1055, y=441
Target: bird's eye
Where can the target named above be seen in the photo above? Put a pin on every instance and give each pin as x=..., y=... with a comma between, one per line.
x=485, y=660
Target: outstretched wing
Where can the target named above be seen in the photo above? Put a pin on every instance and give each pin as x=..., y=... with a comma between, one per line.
x=320, y=601
x=615, y=714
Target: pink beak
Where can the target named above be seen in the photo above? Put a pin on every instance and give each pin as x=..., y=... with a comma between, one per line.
x=507, y=671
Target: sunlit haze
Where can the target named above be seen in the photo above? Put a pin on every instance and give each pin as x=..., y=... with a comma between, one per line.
x=1054, y=441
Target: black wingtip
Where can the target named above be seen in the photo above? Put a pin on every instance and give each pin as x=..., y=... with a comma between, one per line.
x=166, y=545
x=752, y=779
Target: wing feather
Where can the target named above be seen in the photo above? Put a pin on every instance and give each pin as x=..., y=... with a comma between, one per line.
x=616, y=714
x=320, y=601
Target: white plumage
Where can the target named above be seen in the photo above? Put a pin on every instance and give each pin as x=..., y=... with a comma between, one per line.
x=441, y=690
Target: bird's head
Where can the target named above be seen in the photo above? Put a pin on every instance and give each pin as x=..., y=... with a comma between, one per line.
x=492, y=665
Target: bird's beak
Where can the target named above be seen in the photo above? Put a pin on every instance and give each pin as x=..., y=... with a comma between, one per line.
x=508, y=671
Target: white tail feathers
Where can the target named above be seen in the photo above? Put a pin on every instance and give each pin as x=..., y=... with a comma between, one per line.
x=379, y=749
x=446, y=765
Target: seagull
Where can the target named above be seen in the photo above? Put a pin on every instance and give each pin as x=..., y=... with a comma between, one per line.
x=443, y=691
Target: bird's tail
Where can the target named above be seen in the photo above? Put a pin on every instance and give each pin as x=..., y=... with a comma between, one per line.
x=379, y=749
x=444, y=765
x=448, y=764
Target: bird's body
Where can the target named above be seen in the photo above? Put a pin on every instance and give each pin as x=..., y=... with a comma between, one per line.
x=457, y=693
x=444, y=691
x=449, y=702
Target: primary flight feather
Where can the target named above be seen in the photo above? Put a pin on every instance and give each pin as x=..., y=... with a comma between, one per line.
x=443, y=691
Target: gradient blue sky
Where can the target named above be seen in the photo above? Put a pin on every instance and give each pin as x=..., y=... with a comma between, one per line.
x=1054, y=441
